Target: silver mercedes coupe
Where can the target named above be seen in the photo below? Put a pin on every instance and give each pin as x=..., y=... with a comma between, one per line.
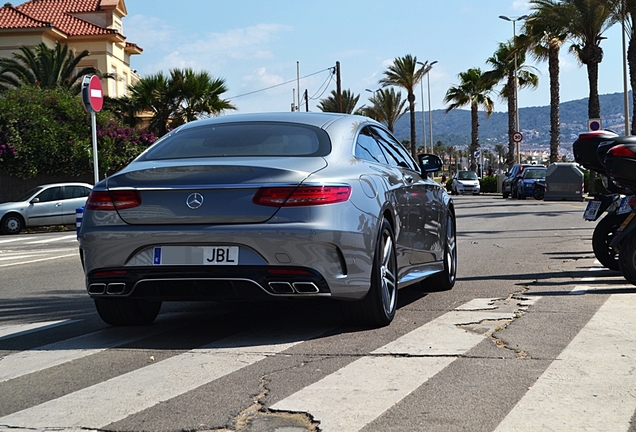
x=274, y=206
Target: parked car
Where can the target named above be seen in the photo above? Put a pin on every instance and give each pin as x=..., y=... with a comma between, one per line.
x=530, y=175
x=509, y=183
x=50, y=204
x=465, y=182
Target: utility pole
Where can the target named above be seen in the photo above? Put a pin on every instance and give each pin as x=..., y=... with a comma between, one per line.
x=306, y=101
x=338, y=87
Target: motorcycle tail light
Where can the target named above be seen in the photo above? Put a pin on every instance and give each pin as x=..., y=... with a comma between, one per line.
x=621, y=150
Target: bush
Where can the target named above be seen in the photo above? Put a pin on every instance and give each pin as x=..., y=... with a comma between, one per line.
x=47, y=131
x=488, y=184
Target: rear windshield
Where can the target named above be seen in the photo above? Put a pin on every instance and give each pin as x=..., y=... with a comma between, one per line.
x=241, y=139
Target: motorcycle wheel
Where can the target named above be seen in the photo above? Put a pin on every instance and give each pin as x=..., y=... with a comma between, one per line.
x=603, y=235
x=627, y=257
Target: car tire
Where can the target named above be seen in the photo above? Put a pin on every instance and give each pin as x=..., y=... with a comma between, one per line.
x=520, y=194
x=445, y=280
x=627, y=257
x=538, y=193
x=378, y=307
x=127, y=312
x=604, y=233
x=11, y=224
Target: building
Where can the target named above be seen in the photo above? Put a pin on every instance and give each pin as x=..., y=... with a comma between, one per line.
x=92, y=25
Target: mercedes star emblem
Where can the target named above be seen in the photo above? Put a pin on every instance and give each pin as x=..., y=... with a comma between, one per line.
x=194, y=201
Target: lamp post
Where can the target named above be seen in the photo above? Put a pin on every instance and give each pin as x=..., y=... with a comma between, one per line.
x=430, y=114
x=430, y=118
x=624, y=55
x=514, y=40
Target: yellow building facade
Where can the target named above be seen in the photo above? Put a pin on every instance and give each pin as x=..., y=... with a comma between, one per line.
x=93, y=25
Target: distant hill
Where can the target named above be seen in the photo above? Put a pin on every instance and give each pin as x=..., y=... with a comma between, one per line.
x=454, y=128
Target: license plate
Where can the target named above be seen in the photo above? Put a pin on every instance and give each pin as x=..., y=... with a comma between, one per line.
x=624, y=207
x=191, y=255
x=591, y=210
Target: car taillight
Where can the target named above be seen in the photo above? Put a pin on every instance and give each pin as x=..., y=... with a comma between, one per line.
x=113, y=200
x=301, y=196
x=620, y=150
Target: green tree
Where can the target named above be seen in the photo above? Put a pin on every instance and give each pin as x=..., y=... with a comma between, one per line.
x=545, y=33
x=500, y=151
x=387, y=107
x=404, y=73
x=44, y=67
x=347, y=98
x=503, y=63
x=473, y=90
x=176, y=99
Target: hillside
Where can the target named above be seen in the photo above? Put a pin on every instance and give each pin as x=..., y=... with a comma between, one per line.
x=454, y=128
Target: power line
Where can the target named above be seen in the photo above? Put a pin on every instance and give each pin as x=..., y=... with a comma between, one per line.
x=282, y=84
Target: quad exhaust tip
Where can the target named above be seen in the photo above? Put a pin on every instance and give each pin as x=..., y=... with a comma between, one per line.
x=294, y=288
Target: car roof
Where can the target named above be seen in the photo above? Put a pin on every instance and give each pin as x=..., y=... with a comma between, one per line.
x=317, y=119
x=66, y=184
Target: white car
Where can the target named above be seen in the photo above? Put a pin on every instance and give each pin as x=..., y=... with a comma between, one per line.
x=465, y=182
x=51, y=204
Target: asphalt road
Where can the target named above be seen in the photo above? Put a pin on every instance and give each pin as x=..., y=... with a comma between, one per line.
x=534, y=336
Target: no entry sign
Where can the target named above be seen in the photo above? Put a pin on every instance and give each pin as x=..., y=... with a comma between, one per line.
x=92, y=93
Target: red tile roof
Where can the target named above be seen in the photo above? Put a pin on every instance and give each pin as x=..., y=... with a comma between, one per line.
x=11, y=18
x=35, y=13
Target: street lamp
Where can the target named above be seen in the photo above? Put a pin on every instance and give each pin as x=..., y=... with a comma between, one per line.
x=430, y=118
x=514, y=40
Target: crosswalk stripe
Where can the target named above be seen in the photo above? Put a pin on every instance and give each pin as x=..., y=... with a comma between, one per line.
x=15, y=239
x=355, y=395
x=39, y=260
x=54, y=239
x=117, y=398
x=8, y=331
x=590, y=386
x=43, y=357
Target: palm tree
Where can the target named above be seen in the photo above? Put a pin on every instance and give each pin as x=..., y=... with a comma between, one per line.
x=505, y=68
x=586, y=21
x=44, y=67
x=500, y=151
x=545, y=33
x=348, y=100
x=473, y=90
x=177, y=99
x=404, y=73
x=387, y=107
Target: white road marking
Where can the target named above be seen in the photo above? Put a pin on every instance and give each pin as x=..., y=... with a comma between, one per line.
x=590, y=386
x=355, y=395
x=13, y=330
x=40, y=259
x=54, y=239
x=43, y=357
x=16, y=239
x=115, y=399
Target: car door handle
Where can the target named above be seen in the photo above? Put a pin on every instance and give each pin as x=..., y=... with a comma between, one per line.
x=58, y=205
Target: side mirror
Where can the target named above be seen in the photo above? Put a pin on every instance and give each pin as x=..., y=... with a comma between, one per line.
x=429, y=163
x=35, y=200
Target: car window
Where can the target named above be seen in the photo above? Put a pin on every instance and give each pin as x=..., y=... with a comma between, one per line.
x=467, y=175
x=367, y=147
x=241, y=139
x=76, y=192
x=393, y=150
x=50, y=194
x=29, y=194
x=534, y=174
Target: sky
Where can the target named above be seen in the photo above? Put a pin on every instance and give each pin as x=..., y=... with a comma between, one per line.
x=261, y=47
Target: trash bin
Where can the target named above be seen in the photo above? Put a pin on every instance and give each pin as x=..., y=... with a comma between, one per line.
x=563, y=182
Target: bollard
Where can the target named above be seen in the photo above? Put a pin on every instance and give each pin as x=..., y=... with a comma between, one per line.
x=79, y=215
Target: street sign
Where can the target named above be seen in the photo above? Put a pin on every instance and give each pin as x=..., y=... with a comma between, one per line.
x=594, y=125
x=92, y=93
x=477, y=154
x=517, y=137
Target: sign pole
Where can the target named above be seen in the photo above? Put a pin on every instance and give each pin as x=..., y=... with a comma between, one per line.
x=95, y=165
x=93, y=100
